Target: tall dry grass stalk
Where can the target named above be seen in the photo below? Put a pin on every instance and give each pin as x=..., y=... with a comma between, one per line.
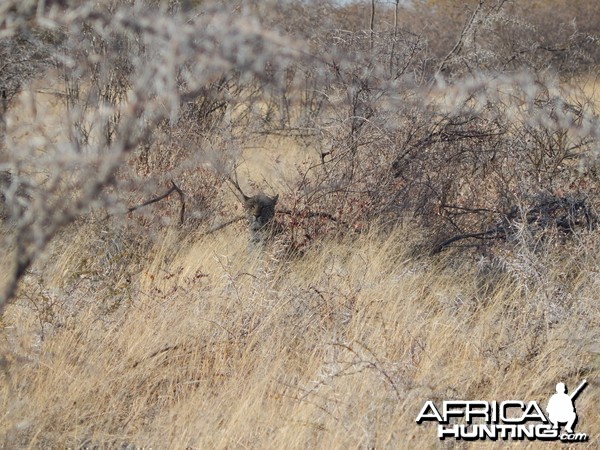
x=217, y=347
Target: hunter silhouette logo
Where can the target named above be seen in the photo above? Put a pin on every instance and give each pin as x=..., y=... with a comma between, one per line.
x=561, y=408
x=510, y=419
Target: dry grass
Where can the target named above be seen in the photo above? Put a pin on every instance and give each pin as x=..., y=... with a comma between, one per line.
x=213, y=346
x=131, y=333
x=274, y=162
x=39, y=116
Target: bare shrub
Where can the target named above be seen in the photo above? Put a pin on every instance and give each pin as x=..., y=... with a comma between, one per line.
x=432, y=217
x=127, y=69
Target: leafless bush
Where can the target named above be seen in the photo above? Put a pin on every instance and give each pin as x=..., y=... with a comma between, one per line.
x=414, y=140
x=127, y=68
x=453, y=139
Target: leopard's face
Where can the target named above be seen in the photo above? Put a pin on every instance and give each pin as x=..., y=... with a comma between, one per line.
x=254, y=208
x=260, y=209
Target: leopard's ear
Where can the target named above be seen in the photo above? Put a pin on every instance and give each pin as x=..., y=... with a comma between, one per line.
x=275, y=198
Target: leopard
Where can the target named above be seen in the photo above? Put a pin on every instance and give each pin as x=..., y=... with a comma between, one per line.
x=260, y=211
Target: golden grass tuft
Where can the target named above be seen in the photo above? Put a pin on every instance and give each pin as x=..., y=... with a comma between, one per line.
x=216, y=346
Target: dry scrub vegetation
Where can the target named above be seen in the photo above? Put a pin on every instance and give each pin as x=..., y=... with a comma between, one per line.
x=436, y=235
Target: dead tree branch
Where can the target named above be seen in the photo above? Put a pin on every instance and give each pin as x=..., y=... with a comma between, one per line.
x=461, y=40
x=174, y=188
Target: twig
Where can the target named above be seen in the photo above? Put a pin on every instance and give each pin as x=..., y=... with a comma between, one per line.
x=223, y=225
x=458, y=46
x=174, y=188
x=236, y=184
x=482, y=235
x=372, y=23
x=309, y=214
